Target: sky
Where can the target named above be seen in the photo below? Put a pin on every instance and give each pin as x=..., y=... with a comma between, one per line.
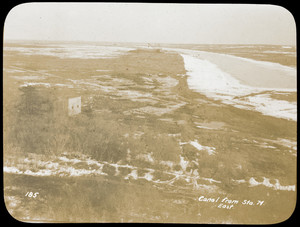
x=152, y=23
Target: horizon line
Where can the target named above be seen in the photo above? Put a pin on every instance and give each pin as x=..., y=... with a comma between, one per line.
x=138, y=42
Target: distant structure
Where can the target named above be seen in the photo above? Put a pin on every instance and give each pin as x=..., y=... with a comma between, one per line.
x=74, y=106
x=150, y=46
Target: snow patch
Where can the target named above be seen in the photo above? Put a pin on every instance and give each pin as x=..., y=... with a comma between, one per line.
x=73, y=51
x=207, y=78
x=183, y=163
x=276, y=186
x=133, y=175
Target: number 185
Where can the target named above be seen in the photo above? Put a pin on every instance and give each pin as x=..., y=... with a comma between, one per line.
x=31, y=194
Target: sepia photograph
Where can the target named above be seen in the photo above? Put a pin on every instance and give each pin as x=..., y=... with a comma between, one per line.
x=149, y=113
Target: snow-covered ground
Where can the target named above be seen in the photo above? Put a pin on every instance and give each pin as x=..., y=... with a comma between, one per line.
x=73, y=51
x=75, y=167
x=235, y=81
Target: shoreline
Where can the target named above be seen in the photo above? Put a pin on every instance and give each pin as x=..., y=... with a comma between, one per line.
x=249, y=72
x=207, y=78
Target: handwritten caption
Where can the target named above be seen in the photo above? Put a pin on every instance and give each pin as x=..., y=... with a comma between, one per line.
x=226, y=203
x=32, y=194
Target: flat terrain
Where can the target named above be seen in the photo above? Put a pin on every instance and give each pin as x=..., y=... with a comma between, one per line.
x=145, y=148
